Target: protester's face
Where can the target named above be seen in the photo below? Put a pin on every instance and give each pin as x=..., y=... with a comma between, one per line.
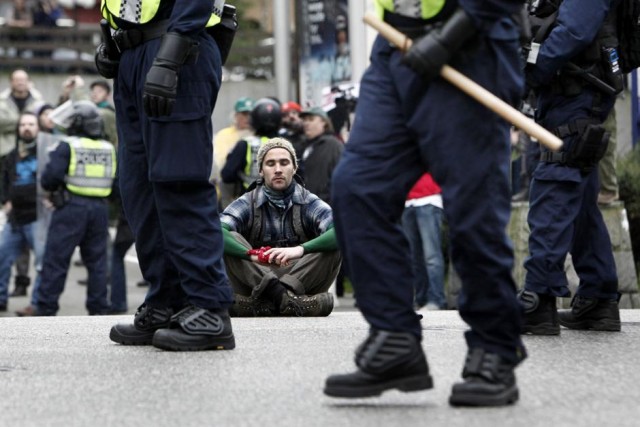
x=98, y=94
x=28, y=127
x=20, y=82
x=277, y=169
x=45, y=120
x=313, y=126
x=243, y=120
x=291, y=119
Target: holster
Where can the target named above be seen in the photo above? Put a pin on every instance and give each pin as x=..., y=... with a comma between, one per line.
x=59, y=198
x=225, y=31
x=586, y=151
x=589, y=148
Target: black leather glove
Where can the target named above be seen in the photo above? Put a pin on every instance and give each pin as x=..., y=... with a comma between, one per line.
x=428, y=54
x=161, y=85
x=107, y=67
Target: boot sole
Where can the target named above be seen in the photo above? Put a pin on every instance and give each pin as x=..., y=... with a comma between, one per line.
x=172, y=343
x=119, y=338
x=595, y=325
x=507, y=397
x=408, y=384
x=542, y=329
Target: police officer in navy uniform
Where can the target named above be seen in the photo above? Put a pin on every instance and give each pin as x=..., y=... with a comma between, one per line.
x=563, y=212
x=79, y=176
x=408, y=121
x=167, y=69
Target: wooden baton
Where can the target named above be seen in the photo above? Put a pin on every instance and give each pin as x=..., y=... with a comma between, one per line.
x=471, y=88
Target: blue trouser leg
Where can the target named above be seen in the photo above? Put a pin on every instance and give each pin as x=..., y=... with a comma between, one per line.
x=592, y=260
x=118, y=295
x=399, y=134
x=12, y=240
x=418, y=266
x=93, y=250
x=157, y=269
x=429, y=219
x=195, y=241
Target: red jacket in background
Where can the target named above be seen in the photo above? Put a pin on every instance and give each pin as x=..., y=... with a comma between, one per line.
x=424, y=187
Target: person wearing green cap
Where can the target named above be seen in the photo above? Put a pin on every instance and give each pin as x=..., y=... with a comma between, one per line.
x=322, y=152
x=225, y=139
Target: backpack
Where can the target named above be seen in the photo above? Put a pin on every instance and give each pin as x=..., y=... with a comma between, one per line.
x=628, y=31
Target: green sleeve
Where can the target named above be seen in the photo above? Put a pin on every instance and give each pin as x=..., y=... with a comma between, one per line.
x=325, y=242
x=231, y=246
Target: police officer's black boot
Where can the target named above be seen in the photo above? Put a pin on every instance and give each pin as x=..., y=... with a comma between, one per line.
x=592, y=314
x=146, y=322
x=21, y=285
x=540, y=313
x=385, y=360
x=194, y=328
x=488, y=381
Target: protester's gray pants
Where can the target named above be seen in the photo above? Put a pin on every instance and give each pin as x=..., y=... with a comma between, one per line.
x=309, y=275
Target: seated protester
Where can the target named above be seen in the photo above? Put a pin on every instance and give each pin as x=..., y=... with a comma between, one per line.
x=280, y=247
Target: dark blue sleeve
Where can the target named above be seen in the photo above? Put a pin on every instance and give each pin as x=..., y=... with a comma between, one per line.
x=6, y=177
x=485, y=13
x=189, y=17
x=235, y=163
x=53, y=176
x=577, y=26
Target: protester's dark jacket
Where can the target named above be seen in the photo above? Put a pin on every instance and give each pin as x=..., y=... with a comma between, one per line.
x=19, y=183
x=324, y=152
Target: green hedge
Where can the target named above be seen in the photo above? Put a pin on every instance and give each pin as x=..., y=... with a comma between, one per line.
x=628, y=171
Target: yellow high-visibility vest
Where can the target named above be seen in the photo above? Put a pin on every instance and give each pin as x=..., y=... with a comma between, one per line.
x=92, y=167
x=424, y=9
x=252, y=169
x=143, y=11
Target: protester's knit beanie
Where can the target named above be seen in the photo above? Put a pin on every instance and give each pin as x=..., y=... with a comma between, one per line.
x=276, y=143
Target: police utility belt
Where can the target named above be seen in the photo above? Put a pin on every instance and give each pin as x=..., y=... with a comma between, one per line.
x=128, y=39
x=411, y=27
x=587, y=149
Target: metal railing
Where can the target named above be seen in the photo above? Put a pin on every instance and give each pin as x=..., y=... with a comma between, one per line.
x=54, y=49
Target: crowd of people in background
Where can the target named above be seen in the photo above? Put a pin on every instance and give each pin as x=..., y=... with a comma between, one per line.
x=317, y=146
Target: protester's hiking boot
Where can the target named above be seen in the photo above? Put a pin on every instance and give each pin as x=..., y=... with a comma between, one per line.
x=21, y=285
x=540, y=313
x=606, y=198
x=521, y=196
x=146, y=322
x=194, y=328
x=28, y=311
x=318, y=305
x=591, y=314
x=489, y=380
x=3, y=307
x=251, y=307
x=385, y=360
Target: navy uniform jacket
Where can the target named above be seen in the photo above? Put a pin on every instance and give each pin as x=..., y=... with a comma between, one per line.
x=577, y=26
x=55, y=171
